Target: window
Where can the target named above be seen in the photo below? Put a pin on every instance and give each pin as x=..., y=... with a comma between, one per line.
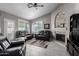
x=37, y=26
x=9, y=28
x=23, y=26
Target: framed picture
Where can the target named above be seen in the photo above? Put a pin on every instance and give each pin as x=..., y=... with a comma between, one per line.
x=46, y=26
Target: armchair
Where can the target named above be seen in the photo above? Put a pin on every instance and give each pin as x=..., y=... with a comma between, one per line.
x=12, y=48
x=44, y=35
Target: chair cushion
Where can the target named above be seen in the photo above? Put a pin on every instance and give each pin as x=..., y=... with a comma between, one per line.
x=41, y=32
x=41, y=36
x=16, y=43
x=14, y=48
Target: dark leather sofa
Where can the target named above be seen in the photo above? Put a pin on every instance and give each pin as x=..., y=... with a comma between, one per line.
x=15, y=48
x=23, y=34
x=44, y=35
x=20, y=34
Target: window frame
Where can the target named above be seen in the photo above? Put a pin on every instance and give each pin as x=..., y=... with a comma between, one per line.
x=42, y=26
x=26, y=22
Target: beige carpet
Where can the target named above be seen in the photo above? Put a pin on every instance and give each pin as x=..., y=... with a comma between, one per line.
x=38, y=43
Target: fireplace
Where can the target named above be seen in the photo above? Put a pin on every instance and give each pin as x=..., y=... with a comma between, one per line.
x=60, y=37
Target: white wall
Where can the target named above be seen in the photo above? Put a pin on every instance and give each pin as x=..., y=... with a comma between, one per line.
x=69, y=9
x=46, y=19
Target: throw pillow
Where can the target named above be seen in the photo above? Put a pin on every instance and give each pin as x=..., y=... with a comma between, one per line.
x=5, y=44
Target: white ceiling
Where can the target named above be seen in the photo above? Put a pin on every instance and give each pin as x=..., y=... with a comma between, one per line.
x=21, y=9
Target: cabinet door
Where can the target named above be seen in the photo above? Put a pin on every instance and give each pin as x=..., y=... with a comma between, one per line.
x=71, y=22
x=76, y=53
x=78, y=23
x=70, y=48
x=76, y=50
x=67, y=45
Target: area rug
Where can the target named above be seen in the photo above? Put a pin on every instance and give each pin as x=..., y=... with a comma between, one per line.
x=38, y=43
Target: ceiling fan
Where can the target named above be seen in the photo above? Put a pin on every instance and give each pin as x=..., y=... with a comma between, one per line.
x=34, y=5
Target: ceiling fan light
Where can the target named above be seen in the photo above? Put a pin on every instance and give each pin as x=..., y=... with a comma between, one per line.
x=30, y=5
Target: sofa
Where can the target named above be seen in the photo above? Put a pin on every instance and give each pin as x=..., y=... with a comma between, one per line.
x=44, y=35
x=21, y=34
x=14, y=48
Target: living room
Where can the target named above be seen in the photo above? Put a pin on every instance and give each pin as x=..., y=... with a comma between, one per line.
x=33, y=29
